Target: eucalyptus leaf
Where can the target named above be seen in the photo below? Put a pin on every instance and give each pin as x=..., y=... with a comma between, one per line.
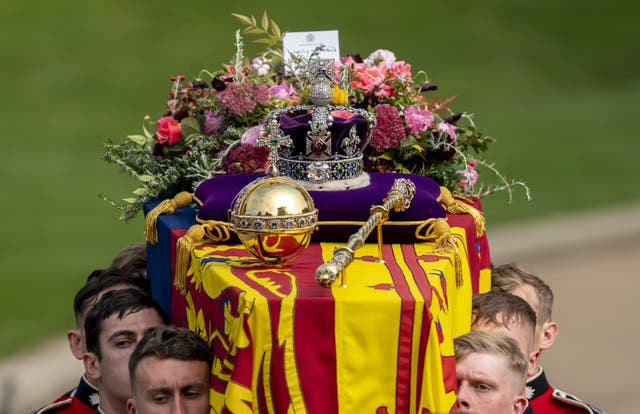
x=146, y=132
x=253, y=30
x=141, y=191
x=276, y=29
x=264, y=40
x=145, y=178
x=138, y=139
x=244, y=19
x=190, y=125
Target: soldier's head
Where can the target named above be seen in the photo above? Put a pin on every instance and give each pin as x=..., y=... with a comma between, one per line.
x=509, y=315
x=98, y=283
x=132, y=260
x=170, y=370
x=113, y=328
x=491, y=371
x=513, y=279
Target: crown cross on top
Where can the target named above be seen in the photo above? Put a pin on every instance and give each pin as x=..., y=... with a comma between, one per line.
x=274, y=139
x=321, y=70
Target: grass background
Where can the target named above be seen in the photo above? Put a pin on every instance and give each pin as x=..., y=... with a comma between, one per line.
x=556, y=83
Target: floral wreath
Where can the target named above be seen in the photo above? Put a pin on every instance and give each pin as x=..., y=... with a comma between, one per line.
x=212, y=123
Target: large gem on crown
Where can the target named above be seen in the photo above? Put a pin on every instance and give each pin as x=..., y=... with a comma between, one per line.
x=318, y=172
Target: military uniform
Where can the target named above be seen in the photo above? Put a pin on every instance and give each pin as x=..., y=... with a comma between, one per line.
x=81, y=400
x=544, y=399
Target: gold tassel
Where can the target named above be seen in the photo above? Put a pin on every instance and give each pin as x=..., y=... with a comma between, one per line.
x=169, y=206
x=446, y=242
x=183, y=255
x=453, y=206
x=424, y=231
x=217, y=231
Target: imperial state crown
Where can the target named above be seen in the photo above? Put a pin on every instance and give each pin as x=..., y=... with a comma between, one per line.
x=324, y=143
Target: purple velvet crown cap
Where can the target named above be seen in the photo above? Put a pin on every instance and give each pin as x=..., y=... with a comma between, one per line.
x=297, y=127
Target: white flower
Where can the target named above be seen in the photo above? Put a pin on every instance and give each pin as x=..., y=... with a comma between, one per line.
x=380, y=56
x=261, y=66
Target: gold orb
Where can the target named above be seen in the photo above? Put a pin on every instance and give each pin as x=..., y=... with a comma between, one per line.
x=274, y=218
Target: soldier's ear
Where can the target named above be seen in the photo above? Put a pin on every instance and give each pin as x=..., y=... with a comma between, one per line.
x=519, y=404
x=533, y=363
x=131, y=406
x=74, y=337
x=92, y=367
x=549, y=335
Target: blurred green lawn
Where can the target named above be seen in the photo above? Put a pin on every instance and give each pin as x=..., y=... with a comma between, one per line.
x=556, y=83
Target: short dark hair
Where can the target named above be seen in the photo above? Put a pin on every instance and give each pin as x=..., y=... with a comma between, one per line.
x=512, y=309
x=116, y=302
x=170, y=342
x=100, y=280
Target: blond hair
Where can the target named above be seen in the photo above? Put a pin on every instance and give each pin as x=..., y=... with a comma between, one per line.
x=483, y=342
x=508, y=277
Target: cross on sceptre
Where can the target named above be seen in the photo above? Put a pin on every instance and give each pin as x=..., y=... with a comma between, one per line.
x=274, y=140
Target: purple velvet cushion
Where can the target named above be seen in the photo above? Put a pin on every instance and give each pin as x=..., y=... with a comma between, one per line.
x=216, y=195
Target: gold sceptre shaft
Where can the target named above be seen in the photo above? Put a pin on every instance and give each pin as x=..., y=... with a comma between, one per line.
x=399, y=198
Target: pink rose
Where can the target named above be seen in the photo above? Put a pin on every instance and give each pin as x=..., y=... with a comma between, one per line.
x=212, y=123
x=384, y=91
x=417, y=119
x=251, y=135
x=168, y=130
x=400, y=69
x=448, y=129
x=367, y=78
x=282, y=91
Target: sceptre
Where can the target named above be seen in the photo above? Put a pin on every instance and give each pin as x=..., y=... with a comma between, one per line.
x=399, y=198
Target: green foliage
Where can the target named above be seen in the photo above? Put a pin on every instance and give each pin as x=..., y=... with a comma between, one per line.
x=268, y=28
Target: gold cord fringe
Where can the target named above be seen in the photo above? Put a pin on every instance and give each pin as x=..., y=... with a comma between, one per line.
x=169, y=206
x=446, y=243
x=454, y=206
x=183, y=255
